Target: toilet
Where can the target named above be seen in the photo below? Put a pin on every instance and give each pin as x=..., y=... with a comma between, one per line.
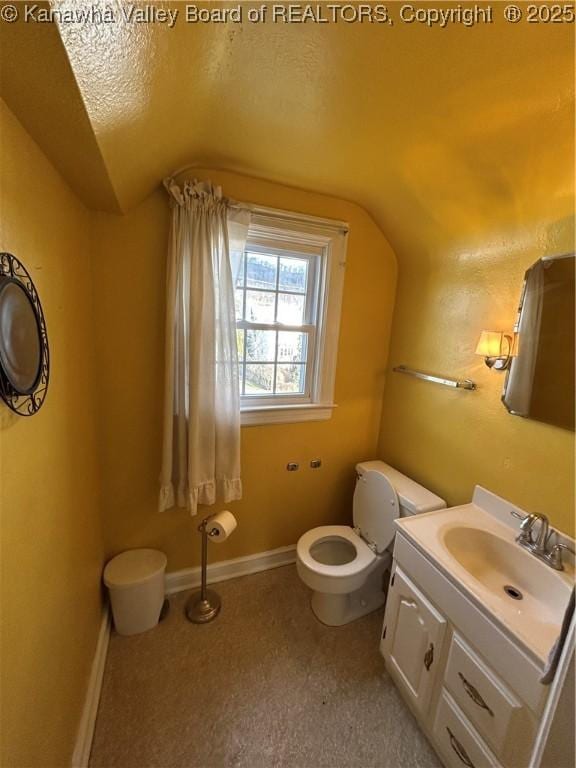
x=346, y=568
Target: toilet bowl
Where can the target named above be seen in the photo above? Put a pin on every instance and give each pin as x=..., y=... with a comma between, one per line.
x=345, y=574
x=347, y=567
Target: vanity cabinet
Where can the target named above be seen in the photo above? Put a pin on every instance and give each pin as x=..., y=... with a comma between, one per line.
x=412, y=638
x=474, y=692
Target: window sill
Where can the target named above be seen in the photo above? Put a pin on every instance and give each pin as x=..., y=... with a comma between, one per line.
x=286, y=414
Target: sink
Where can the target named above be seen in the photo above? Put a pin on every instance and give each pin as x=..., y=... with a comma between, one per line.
x=509, y=573
x=477, y=549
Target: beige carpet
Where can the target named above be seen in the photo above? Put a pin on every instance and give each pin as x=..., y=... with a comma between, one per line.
x=264, y=685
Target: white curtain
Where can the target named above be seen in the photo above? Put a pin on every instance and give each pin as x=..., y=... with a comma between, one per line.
x=201, y=444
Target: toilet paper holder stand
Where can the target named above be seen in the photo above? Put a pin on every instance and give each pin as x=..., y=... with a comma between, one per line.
x=204, y=606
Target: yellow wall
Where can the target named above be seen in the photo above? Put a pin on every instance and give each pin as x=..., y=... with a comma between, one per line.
x=469, y=168
x=451, y=440
x=51, y=548
x=278, y=506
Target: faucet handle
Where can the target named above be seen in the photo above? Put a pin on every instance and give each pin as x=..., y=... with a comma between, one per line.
x=526, y=525
x=555, y=556
x=527, y=521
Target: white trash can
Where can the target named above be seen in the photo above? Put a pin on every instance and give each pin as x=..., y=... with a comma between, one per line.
x=136, y=583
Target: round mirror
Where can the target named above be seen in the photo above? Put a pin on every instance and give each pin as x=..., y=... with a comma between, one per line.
x=24, y=357
x=20, y=343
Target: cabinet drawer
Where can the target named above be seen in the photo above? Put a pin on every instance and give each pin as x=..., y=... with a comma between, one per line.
x=457, y=740
x=499, y=716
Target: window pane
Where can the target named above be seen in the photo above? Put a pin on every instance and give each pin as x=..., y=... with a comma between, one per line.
x=240, y=377
x=290, y=378
x=239, y=270
x=293, y=274
x=238, y=302
x=261, y=270
x=292, y=346
x=240, y=344
x=259, y=379
x=290, y=309
x=260, y=306
x=261, y=345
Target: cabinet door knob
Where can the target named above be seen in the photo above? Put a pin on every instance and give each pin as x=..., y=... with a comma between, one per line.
x=474, y=695
x=429, y=657
x=459, y=749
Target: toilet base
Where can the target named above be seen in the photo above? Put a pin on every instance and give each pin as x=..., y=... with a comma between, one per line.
x=336, y=610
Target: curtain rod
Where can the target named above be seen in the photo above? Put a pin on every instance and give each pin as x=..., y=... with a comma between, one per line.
x=260, y=210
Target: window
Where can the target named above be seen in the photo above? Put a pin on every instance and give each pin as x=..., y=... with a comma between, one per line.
x=288, y=293
x=276, y=320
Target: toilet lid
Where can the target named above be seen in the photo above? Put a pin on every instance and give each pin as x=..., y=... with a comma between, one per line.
x=375, y=509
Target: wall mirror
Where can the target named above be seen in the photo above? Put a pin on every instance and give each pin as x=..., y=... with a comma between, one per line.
x=24, y=356
x=540, y=382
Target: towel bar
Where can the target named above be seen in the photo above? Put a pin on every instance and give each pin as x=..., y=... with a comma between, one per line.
x=447, y=382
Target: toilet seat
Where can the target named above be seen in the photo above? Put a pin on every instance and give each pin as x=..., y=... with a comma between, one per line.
x=364, y=555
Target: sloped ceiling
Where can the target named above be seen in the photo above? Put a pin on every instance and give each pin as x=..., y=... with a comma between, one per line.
x=439, y=132
x=36, y=81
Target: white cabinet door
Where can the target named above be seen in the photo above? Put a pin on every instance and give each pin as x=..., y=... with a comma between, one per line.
x=411, y=639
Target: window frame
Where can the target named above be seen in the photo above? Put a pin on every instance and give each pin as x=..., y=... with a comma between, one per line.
x=323, y=241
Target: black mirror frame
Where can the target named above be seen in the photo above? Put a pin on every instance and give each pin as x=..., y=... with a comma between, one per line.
x=26, y=403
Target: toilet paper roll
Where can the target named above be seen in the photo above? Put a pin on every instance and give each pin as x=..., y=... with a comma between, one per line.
x=221, y=526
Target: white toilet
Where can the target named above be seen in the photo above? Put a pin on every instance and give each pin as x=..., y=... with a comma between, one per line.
x=347, y=567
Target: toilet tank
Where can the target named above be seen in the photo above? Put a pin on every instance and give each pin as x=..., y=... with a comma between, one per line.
x=413, y=498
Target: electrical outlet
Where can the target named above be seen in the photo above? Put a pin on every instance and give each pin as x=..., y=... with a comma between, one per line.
x=316, y=463
x=292, y=466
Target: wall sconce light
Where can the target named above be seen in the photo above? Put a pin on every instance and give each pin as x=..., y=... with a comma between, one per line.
x=497, y=349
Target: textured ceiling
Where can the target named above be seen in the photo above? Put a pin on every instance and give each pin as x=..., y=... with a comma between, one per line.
x=439, y=133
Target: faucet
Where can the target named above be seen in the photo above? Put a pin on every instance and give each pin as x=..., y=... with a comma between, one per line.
x=526, y=539
x=538, y=546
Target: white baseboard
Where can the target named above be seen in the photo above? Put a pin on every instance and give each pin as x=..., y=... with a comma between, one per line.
x=176, y=581
x=188, y=578
x=81, y=755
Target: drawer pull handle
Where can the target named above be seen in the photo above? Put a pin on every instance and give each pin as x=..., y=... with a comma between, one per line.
x=459, y=749
x=474, y=695
x=429, y=657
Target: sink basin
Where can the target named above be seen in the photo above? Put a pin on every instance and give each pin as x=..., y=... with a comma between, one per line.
x=509, y=572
